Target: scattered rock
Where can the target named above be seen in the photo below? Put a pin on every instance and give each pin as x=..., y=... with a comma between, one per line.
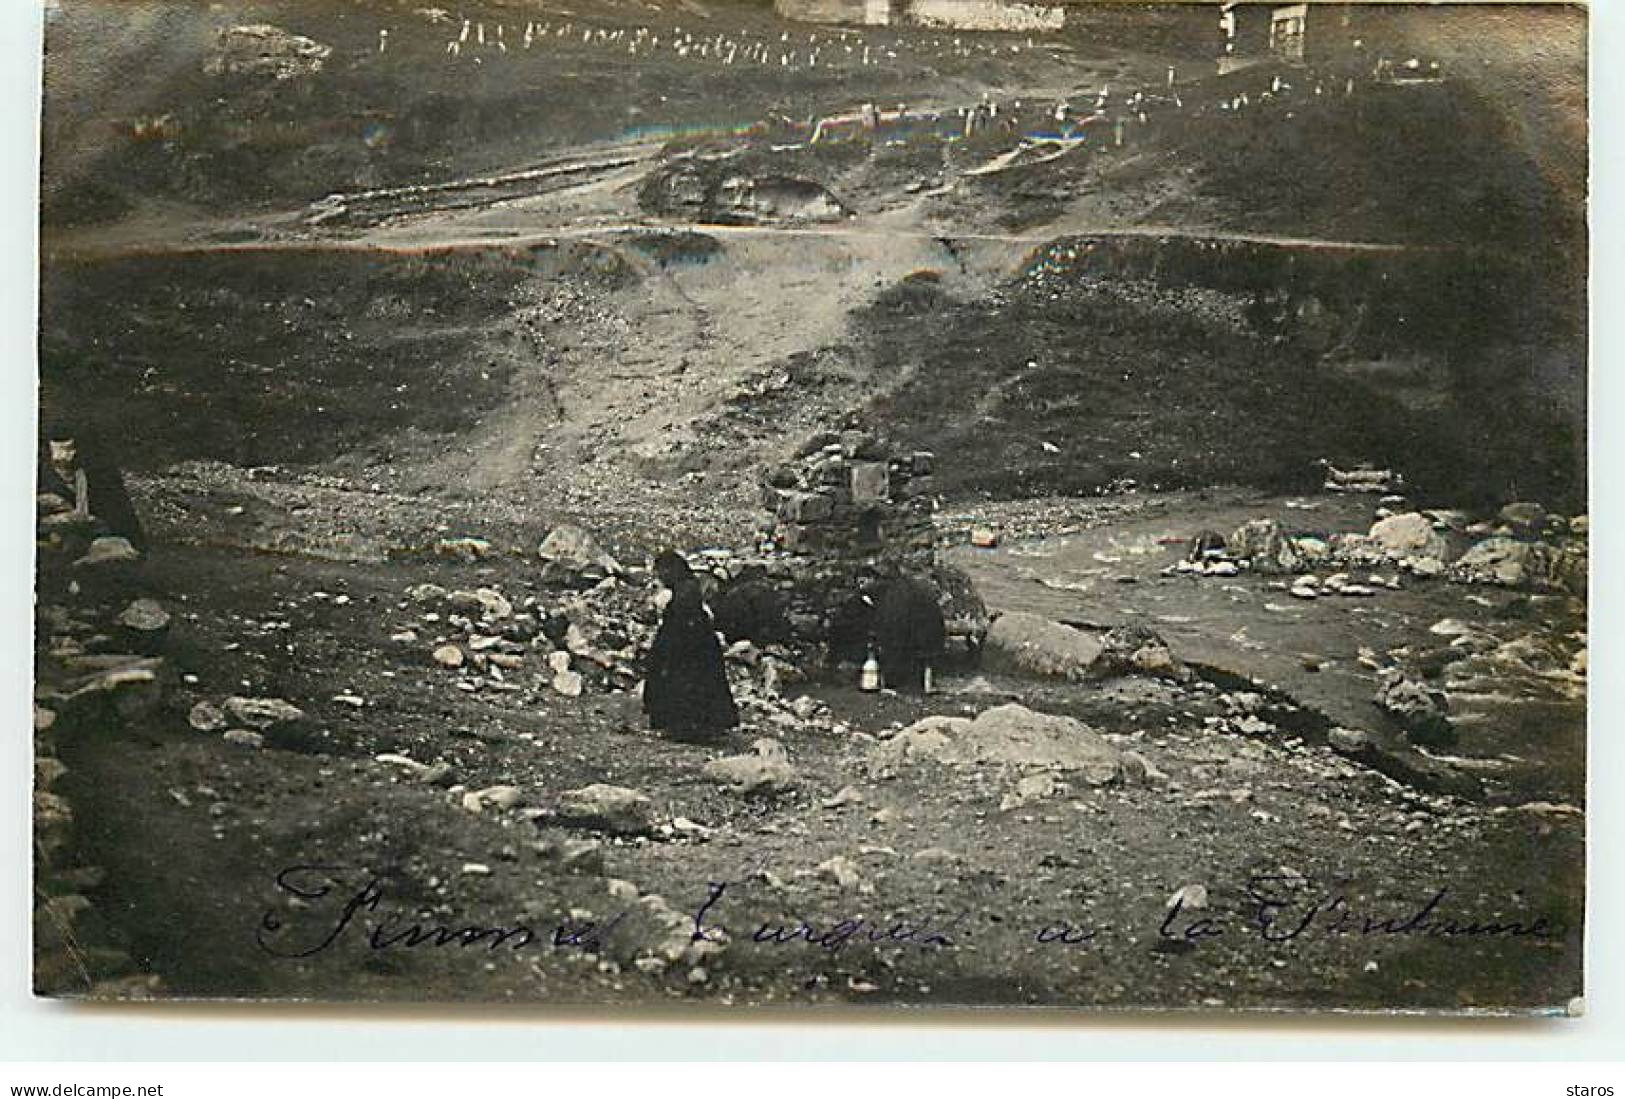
x=1030, y=789
x=108, y=550
x=846, y=795
x=572, y=556
x=1266, y=547
x=493, y=604
x=1525, y=518
x=766, y=771
x=1404, y=764
x=128, y=685
x=246, y=738
x=1350, y=742
x=568, y=683
x=449, y=656
x=1193, y=895
x=1549, y=809
x=406, y=763
x=47, y=771
x=930, y=738
x=144, y=626
x=263, y=713
x=1425, y=567
x=601, y=807
x=437, y=774
x=842, y=871
x=984, y=537
x=1421, y=711
x=261, y=49
x=463, y=549
x=1510, y=563
x=206, y=717
x=493, y=797
x=1131, y=650
x=1140, y=771
x=574, y=855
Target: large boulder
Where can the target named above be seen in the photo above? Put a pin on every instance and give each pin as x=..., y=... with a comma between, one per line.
x=572, y=556
x=1267, y=547
x=1011, y=735
x=1409, y=535
x=963, y=612
x=1014, y=734
x=1511, y=563
x=1030, y=644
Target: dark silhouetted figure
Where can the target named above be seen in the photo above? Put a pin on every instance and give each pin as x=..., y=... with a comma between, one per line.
x=685, y=687
x=851, y=630
x=751, y=609
x=909, y=631
x=1206, y=544
x=100, y=493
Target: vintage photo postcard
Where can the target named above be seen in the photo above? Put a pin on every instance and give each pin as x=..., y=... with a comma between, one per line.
x=648, y=503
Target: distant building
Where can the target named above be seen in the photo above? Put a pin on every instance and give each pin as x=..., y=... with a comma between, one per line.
x=864, y=13
x=1311, y=33
x=967, y=15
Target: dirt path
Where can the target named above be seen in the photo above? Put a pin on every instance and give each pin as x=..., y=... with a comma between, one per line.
x=419, y=239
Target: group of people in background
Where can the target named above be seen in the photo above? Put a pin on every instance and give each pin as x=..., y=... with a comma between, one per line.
x=897, y=621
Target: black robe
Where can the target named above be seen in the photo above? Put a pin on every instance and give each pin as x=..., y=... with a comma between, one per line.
x=685, y=687
x=910, y=633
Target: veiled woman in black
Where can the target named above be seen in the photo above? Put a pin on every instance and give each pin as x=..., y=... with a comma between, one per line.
x=909, y=631
x=685, y=687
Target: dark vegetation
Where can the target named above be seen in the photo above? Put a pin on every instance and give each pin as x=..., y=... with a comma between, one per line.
x=256, y=358
x=1174, y=364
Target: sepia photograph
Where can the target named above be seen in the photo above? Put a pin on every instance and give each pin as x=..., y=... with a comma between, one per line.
x=728, y=504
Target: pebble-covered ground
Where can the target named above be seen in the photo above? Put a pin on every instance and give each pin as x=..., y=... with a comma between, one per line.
x=386, y=751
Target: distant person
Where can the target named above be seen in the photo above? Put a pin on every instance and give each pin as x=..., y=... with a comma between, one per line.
x=851, y=629
x=909, y=631
x=74, y=465
x=1206, y=544
x=685, y=686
